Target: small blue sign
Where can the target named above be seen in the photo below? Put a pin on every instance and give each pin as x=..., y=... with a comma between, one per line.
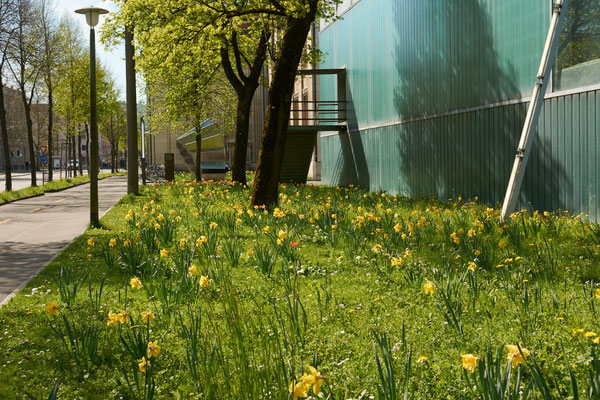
x=43, y=158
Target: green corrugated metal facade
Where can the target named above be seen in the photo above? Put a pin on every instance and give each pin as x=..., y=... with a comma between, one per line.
x=424, y=80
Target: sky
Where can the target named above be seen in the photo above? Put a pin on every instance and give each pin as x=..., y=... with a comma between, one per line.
x=114, y=60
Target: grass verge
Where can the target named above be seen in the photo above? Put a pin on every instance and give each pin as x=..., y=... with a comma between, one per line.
x=189, y=293
x=54, y=185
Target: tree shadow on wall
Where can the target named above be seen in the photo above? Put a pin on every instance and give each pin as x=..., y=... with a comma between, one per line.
x=453, y=68
x=351, y=166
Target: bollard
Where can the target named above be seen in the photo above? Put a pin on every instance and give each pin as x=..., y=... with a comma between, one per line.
x=169, y=166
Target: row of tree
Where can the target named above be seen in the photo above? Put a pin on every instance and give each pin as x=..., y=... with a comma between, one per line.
x=199, y=54
x=45, y=57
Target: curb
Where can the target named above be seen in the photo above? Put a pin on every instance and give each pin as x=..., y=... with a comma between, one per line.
x=66, y=187
x=22, y=198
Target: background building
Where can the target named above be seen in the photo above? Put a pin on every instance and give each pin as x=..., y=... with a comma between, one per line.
x=437, y=93
x=17, y=131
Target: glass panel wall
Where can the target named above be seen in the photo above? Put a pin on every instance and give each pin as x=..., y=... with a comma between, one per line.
x=578, y=62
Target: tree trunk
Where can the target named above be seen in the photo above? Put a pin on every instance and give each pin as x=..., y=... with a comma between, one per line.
x=67, y=155
x=87, y=147
x=198, y=165
x=244, y=86
x=79, y=155
x=50, y=142
x=29, y=125
x=242, y=127
x=266, y=183
x=117, y=156
x=5, y=144
x=112, y=156
x=132, y=136
x=73, y=154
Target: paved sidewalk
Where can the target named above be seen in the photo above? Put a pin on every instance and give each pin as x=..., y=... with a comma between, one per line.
x=33, y=231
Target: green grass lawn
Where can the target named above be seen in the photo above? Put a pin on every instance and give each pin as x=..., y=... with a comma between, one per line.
x=56, y=184
x=381, y=295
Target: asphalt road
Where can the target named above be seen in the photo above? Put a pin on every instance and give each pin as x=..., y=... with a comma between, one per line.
x=33, y=231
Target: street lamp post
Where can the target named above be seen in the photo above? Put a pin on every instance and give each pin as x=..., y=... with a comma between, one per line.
x=92, y=15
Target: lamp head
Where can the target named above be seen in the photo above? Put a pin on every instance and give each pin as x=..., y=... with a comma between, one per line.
x=92, y=14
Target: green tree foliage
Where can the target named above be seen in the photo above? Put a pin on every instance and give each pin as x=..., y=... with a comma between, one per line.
x=199, y=34
x=7, y=26
x=112, y=123
x=72, y=92
x=50, y=61
x=182, y=71
x=23, y=64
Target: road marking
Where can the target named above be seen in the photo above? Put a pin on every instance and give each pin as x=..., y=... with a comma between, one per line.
x=35, y=210
x=5, y=221
x=59, y=200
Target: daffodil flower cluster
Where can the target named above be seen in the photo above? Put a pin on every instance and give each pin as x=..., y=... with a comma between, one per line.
x=301, y=387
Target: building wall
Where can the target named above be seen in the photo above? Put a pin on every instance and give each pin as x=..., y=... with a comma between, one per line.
x=437, y=98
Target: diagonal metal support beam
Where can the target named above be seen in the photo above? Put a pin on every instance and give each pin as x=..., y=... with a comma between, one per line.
x=535, y=108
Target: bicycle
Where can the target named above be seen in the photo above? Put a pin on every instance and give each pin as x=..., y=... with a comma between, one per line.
x=154, y=173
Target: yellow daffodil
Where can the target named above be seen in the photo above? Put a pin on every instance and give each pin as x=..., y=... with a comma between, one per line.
x=160, y=218
x=153, y=349
x=429, y=288
x=249, y=252
x=397, y=261
x=193, y=270
x=147, y=316
x=112, y=242
x=123, y=317
x=213, y=225
x=598, y=293
x=596, y=340
x=469, y=362
x=127, y=243
x=52, y=308
x=397, y=228
x=299, y=389
x=472, y=266
x=514, y=356
x=590, y=335
x=203, y=282
x=135, y=283
x=281, y=235
x=91, y=241
x=144, y=365
x=313, y=379
x=164, y=253
x=501, y=244
x=422, y=359
x=201, y=240
x=112, y=319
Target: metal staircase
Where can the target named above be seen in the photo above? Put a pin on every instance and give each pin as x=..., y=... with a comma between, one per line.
x=323, y=116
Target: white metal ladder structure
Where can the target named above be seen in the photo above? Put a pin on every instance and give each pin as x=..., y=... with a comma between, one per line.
x=535, y=107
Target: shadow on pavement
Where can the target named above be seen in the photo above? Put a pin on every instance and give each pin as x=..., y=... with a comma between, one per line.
x=20, y=261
